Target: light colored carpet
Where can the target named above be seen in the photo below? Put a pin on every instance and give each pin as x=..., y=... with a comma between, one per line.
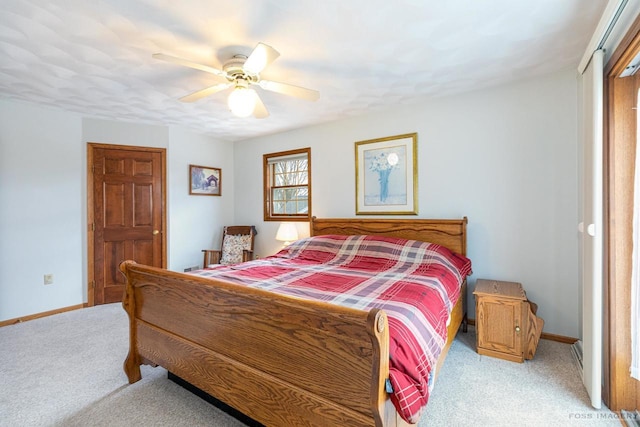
x=66, y=370
x=474, y=390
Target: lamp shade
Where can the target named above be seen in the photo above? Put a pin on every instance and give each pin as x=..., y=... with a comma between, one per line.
x=287, y=233
x=242, y=101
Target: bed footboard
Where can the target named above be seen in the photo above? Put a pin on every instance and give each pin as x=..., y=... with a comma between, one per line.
x=278, y=359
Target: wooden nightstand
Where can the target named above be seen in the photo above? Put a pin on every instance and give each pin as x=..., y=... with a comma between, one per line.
x=506, y=323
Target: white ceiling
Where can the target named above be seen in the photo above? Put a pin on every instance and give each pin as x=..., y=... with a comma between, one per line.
x=94, y=56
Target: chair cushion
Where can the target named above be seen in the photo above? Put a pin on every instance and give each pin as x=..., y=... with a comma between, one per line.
x=232, y=248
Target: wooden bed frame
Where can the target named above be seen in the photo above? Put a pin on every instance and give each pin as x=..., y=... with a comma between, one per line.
x=280, y=360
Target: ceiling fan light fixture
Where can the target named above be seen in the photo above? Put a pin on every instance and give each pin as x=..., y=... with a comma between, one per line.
x=241, y=72
x=242, y=101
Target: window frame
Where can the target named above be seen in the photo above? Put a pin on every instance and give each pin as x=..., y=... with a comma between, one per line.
x=267, y=183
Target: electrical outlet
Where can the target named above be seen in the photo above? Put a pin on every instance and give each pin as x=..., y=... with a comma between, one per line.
x=48, y=279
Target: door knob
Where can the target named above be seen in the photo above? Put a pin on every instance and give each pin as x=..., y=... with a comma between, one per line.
x=156, y=232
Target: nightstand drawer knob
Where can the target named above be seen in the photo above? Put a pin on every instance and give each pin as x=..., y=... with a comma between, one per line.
x=517, y=329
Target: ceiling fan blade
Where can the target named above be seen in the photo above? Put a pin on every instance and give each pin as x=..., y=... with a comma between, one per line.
x=205, y=92
x=258, y=60
x=260, y=111
x=291, y=90
x=189, y=64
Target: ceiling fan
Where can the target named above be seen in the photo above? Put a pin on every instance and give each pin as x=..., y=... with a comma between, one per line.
x=242, y=72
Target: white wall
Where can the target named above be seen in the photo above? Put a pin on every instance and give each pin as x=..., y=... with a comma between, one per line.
x=196, y=221
x=43, y=201
x=504, y=157
x=40, y=209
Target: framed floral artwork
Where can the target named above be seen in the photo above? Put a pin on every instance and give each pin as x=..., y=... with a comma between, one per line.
x=387, y=176
x=205, y=181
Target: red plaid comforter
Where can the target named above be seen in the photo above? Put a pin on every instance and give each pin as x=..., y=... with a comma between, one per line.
x=416, y=283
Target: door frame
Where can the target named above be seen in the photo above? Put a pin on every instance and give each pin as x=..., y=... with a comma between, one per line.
x=620, y=391
x=91, y=147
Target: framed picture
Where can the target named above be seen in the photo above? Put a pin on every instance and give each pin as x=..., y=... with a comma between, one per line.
x=205, y=181
x=387, y=176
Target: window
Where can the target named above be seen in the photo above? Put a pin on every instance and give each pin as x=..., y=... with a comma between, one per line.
x=287, y=185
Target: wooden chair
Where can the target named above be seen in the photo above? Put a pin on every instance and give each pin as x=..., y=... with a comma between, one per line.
x=236, y=246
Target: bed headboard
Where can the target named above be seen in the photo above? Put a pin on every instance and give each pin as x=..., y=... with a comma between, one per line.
x=450, y=233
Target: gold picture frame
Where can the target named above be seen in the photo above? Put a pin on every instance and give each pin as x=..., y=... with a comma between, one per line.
x=387, y=175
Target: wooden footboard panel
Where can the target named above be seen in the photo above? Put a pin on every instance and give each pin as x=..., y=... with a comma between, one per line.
x=251, y=391
x=280, y=360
